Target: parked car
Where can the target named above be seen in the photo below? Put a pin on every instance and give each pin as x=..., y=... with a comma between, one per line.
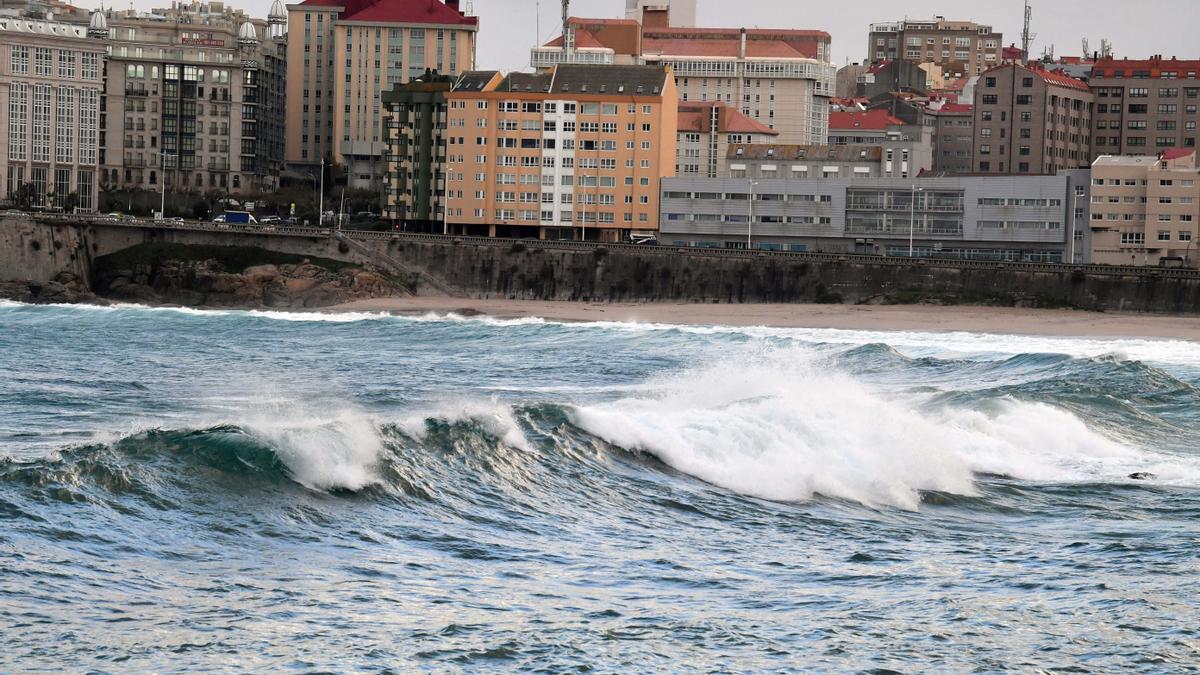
x=219, y=219
x=267, y=220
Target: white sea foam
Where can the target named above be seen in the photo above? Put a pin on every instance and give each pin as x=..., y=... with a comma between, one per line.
x=336, y=450
x=495, y=418
x=780, y=428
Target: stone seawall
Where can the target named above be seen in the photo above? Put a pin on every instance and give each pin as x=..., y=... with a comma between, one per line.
x=537, y=270
x=548, y=271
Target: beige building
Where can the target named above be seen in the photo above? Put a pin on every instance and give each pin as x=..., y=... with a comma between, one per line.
x=1145, y=105
x=783, y=79
x=574, y=153
x=51, y=78
x=706, y=131
x=1029, y=120
x=962, y=48
x=1145, y=208
x=342, y=56
x=193, y=99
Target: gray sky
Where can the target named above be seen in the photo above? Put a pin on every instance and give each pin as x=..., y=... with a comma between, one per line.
x=1136, y=28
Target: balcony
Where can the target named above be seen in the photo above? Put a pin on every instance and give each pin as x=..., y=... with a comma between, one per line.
x=218, y=165
x=136, y=91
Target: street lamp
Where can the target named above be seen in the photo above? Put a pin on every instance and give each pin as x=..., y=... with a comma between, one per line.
x=446, y=200
x=162, y=209
x=1074, y=212
x=750, y=221
x=321, y=198
x=912, y=219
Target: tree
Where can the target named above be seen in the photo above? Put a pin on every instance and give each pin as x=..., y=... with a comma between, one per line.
x=24, y=197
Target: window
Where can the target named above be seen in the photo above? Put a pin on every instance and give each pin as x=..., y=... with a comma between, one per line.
x=1164, y=235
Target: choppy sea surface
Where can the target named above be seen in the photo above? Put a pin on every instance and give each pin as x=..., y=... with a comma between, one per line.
x=255, y=491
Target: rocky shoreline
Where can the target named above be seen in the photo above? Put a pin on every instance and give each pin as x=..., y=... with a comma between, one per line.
x=208, y=283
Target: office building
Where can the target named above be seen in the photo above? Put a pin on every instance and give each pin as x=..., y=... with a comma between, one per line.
x=816, y=162
x=574, y=153
x=415, y=134
x=193, y=99
x=1145, y=106
x=963, y=217
x=1029, y=120
x=707, y=129
x=1145, y=208
x=51, y=82
x=783, y=79
x=962, y=48
x=342, y=56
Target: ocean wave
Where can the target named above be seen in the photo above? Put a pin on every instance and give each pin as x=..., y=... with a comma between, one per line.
x=787, y=429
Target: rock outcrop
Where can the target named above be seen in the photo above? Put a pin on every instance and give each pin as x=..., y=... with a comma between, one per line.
x=207, y=284
x=66, y=287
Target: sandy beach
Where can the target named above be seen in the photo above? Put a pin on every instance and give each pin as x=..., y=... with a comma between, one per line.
x=1002, y=320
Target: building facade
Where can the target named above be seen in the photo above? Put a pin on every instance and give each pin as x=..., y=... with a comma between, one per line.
x=964, y=217
x=1145, y=208
x=193, y=100
x=1145, y=106
x=783, y=79
x=415, y=134
x=1031, y=121
x=816, y=162
x=683, y=12
x=575, y=153
x=907, y=148
x=962, y=48
x=51, y=82
x=952, y=134
x=707, y=129
x=342, y=56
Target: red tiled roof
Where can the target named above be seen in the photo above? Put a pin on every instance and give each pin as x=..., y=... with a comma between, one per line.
x=583, y=40
x=693, y=114
x=874, y=120
x=1011, y=53
x=1052, y=77
x=1125, y=67
x=1176, y=153
x=728, y=48
x=397, y=11
x=877, y=68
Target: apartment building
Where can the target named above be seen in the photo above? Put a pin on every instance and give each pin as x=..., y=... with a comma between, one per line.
x=965, y=217
x=1029, y=120
x=51, y=82
x=574, y=153
x=804, y=162
x=707, y=129
x=907, y=148
x=1145, y=106
x=193, y=99
x=1145, y=208
x=783, y=79
x=952, y=134
x=342, y=56
x=415, y=134
x=962, y=48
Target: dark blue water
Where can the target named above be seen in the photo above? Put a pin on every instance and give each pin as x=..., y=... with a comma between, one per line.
x=235, y=491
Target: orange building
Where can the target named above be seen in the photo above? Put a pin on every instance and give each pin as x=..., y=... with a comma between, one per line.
x=573, y=153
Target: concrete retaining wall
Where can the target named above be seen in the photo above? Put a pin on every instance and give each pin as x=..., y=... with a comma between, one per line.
x=588, y=272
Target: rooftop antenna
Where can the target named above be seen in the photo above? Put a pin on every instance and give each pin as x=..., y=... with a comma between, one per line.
x=568, y=35
x=1027, y=35
x=1087, y=48
x=1106, y=48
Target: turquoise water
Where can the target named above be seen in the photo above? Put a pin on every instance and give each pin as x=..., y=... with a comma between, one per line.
x=186, y=490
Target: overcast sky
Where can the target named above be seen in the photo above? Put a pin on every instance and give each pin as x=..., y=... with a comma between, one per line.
x=1137, y=28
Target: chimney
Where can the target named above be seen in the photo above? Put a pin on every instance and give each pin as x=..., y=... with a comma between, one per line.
x=742, y=47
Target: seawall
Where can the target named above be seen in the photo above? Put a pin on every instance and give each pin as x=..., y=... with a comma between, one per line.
x=573, y=271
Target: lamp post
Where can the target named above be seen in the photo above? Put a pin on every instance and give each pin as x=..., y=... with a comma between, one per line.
x=750, y=220
x=912, y=219
x=162, y=209
x=321, y=198
x=1074, y=211
x=446, y=201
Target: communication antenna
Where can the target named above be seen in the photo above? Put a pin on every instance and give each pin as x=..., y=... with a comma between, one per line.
x=1106, y=48
x=1087, y=48
x=568, y=35
x=1027, y=35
